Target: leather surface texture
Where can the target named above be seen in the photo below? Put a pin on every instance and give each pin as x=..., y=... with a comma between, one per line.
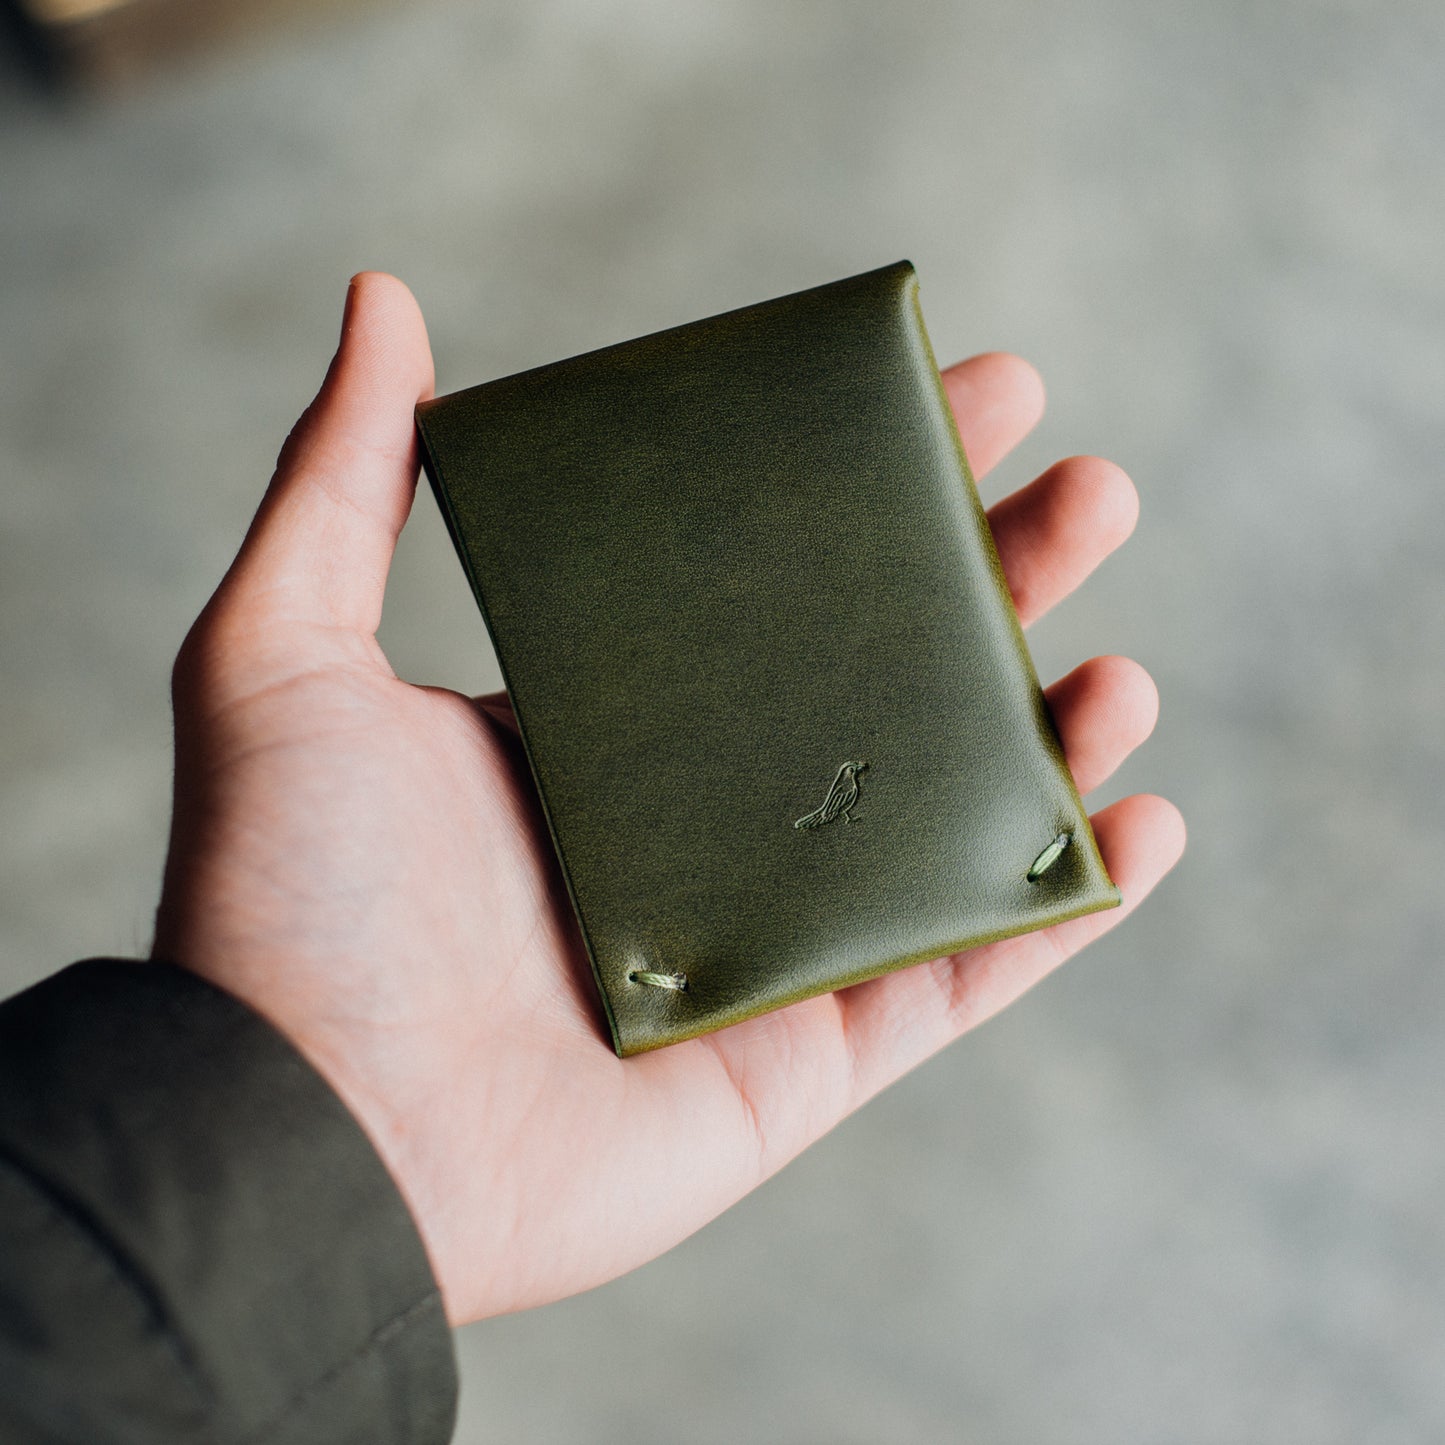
x=780, y=713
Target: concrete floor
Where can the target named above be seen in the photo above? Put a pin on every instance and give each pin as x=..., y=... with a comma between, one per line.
x=1188, y=1191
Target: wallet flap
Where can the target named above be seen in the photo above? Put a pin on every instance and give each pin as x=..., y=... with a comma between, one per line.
x=782, y=720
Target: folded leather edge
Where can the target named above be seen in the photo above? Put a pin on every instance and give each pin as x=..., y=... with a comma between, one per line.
x=1048, y=730
x=431, y=465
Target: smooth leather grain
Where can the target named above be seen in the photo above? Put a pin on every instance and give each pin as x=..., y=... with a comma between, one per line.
x=781, y=716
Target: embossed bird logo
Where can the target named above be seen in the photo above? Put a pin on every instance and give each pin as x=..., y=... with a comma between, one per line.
x=842, y=797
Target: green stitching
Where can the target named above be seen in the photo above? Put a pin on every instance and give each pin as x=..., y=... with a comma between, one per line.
x=1049, y=857
x=677, y=982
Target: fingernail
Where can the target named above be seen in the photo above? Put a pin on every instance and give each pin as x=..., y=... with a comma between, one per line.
x=347, y=307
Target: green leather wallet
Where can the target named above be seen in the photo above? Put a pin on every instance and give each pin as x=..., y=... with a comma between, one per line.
x=783, y=723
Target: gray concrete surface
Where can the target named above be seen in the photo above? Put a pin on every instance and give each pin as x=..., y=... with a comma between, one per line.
x=1188, y=1191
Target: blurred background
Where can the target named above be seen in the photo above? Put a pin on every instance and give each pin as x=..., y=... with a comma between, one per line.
x=1189, y=1190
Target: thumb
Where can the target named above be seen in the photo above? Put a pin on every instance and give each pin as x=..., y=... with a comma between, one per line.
x=321, y=543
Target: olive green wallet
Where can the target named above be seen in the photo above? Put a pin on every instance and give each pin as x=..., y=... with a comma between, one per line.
x=783, y=724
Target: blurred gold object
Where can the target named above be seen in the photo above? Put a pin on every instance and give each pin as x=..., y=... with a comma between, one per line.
x=89, y=43
x=65, y=12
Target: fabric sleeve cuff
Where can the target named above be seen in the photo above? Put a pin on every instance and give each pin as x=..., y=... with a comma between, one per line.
x=236, y=1191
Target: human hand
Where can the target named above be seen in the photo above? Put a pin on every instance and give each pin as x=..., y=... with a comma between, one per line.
x=364, y=863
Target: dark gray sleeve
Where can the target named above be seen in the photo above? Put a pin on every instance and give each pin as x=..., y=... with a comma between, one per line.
x=197, y=1240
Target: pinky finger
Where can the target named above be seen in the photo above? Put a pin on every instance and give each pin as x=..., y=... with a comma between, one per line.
x=1141, y=838
x=895, y=1022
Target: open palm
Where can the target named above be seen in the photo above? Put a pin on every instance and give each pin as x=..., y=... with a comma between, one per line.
x=364, y=863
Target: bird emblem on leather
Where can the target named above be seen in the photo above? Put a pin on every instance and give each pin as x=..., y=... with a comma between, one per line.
x=842, y=798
